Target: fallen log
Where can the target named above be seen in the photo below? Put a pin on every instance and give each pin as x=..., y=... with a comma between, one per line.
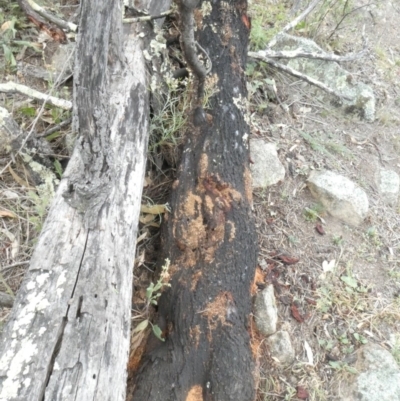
x=68, y=334
x=210, y=236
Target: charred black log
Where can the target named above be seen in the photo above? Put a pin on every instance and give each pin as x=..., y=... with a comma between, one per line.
x=210, y=236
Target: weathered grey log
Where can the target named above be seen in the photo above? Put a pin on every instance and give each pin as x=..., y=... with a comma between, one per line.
x=68, y=335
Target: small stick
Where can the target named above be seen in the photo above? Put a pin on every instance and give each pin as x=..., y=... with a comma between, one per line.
x=146, y=17
x=305, y=78
x=289, y=54
x=292, y=24
x=11, y=87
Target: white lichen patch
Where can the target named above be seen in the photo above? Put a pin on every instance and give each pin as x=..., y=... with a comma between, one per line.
x=158, y=45
x=27, y=382
x=241, y=103
x=41, y=331
x=60, y=282
x=225, y=6
x=245, y=138
x=36, y=302
x=19, y=361
x=146, y=55
x=31, y=285
x=48, y=178
x=42, y=278
x=206, y=8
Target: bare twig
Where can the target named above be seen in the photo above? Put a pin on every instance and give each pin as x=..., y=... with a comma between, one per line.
x=189, y=44
x=11, y=87
x=54, y=31
x=305, y=78
x=289, y=54
x=293, y=23
x=68, y=26
x=345, y=15
x=146, y=17
x=17, y=264
x=57, y=127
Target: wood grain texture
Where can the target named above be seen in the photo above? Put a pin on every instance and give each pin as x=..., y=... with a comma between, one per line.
x=68, y=335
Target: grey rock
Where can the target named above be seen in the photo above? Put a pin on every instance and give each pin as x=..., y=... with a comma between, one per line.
x=388, y=182
x=341, y=197
x=281, y=347
x=378, y=378
x=267, y=168
x=265, y=311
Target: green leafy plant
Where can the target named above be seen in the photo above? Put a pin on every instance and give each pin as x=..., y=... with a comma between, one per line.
x=325, y=299
x=326, y=344
x=342, y=367
x=10, y=44
x=313, y=213
x=168, y=124
x=153, y=292
x=266, y=22
x=337, y=240
x=360, y=338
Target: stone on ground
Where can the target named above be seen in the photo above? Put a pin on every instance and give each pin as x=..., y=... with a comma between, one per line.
x=266, y=168
x=388, y=183
x=378, y=377
x=281, y=347
x=265, y=311
x=341, y=197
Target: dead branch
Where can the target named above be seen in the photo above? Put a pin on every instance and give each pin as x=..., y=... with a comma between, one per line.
x=289, y=54
x=305, y=78
x=57, y=127
x=12, y=87
x=54, y=31
x=146, y=17
x=267, y=55
x=293, y=23
x=68, y=26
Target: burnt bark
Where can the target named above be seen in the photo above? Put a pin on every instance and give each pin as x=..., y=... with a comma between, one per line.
x=210, y=236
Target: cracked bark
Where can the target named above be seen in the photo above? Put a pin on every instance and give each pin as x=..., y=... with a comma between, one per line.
x=68, y=335
x=210, y=238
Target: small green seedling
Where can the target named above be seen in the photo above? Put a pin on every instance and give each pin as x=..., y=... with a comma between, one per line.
x=360, y=338
x=153, y=292
x=313, y=213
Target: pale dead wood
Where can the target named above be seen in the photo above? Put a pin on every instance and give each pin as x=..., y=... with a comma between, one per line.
x=290, y=54
x=12, y=87
x=69, y=26
x=306, y=78
x=268, y=54
x=68, y=334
